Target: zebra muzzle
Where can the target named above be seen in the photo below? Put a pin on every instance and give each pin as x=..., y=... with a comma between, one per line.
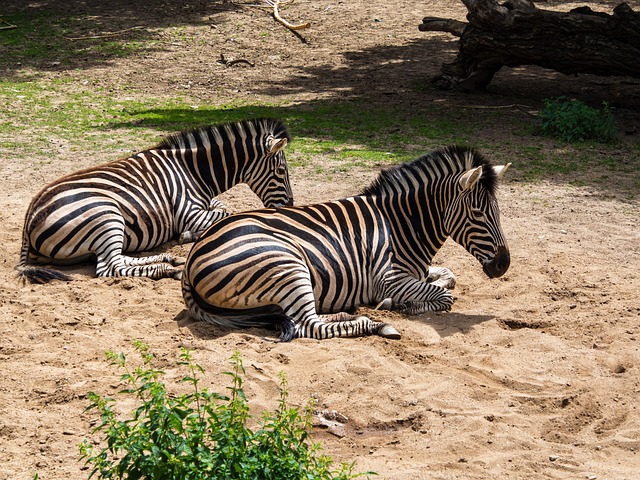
x=499, y=264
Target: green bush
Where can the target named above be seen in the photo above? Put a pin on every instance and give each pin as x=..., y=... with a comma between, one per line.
x=574, y=121
x=201, y=435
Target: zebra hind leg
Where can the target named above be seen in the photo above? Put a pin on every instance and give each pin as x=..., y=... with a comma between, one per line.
x=155, y=266
x=345, y=325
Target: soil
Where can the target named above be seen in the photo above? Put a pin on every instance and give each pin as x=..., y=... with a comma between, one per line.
x=533, y=375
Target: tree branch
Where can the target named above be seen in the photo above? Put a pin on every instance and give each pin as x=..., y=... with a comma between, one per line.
x=448, y=25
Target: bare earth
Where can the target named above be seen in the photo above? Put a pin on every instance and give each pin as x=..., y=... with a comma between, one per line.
x=533, y=375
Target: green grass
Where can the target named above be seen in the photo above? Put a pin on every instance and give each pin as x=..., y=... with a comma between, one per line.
x=89, y=120
x=47, y=39
x=87, y=116
x=40, y=110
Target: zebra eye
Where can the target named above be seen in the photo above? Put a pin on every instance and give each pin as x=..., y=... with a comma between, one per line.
x=281, y=167
x=477, y=214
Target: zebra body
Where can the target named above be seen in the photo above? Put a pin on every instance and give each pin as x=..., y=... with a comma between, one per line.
x=138, y=203
x=305, y=268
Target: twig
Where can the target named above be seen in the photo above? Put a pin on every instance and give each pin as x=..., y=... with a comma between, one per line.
x=274, y=4
x=231, y=63
x=9, y=26
x=105, y=35
x=495, y=107
x=276, y=15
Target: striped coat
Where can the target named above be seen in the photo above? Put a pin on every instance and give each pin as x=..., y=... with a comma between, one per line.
x=306, y=268
x=138, y=203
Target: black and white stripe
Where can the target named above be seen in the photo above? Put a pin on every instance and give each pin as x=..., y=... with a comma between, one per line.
x=303, y=268
x=138, y=203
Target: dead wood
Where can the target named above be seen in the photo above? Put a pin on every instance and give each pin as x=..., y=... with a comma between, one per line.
x=518, y=33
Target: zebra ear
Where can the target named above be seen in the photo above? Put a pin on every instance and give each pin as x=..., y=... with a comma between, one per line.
x=470, y=178
x=276, y=144
x=501, y=169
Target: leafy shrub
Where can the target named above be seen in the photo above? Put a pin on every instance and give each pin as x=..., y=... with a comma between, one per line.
x=201, y=435
x=574, y=121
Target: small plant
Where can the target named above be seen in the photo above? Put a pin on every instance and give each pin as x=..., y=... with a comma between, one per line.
x=574, y=121
x=201, y=435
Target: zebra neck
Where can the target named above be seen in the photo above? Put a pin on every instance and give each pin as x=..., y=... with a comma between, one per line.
x=209, y=170
x=417, y=226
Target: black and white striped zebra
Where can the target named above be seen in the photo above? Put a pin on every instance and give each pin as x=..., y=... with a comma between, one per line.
x=304, y=268
x=140, y=202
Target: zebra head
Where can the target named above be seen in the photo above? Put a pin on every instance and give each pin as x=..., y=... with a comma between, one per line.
x=267, y=174
x=473, y=218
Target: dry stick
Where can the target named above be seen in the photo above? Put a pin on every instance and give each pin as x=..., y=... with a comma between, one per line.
x=231, y=63
x=437, y=24
x=491, y=107
x=276, y=15
x=106, y=35
x=9, y=26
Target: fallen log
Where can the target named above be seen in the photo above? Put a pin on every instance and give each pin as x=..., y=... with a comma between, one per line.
x=518, y=33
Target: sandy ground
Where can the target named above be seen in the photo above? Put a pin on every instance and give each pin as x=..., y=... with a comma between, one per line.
x=533, y=375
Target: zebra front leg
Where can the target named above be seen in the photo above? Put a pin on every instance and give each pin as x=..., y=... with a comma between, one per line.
x=406, y=294
x=199, y=220
x=438, y=276
x=442, y=277
x=342, y=324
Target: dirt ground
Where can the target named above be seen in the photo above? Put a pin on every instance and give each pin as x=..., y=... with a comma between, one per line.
x=533, y=375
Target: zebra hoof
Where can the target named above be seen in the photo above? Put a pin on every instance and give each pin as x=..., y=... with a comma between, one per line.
x=386, y=304
x=178, y=275
x=387, y=331
x=186, y=237
x=178, y=261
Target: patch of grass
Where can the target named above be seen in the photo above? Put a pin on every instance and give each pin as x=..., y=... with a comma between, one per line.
x=87, y=116
x=582, y=165
x=40, y=115
x=84, y=118
x=49, y=39
x=381, y=134
x=201, y=434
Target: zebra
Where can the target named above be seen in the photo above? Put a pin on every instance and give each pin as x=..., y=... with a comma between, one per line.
x=140, y=202
x=305, y=269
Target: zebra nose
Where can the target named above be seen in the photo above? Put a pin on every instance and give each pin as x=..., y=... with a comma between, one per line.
x=499, y=264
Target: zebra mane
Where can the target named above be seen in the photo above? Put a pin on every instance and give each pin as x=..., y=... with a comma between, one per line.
x=441, y=162
x=262, y=126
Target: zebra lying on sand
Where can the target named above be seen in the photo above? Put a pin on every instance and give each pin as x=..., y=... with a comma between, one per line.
x=140, y=202
x=303, y=268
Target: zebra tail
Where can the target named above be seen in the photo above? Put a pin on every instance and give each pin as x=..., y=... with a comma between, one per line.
x=36, y=273
x=226, y=318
